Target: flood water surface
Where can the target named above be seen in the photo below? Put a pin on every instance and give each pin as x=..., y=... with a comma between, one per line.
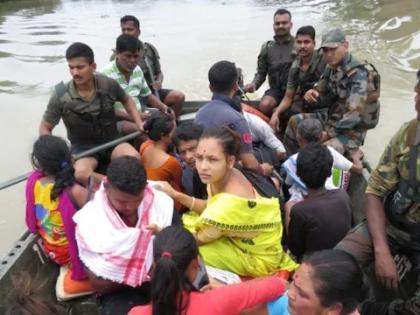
x=190, y=36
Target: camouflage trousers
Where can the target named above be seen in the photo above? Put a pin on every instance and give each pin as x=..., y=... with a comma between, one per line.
x=358, y=243
x=342, y=143
x=290, y=137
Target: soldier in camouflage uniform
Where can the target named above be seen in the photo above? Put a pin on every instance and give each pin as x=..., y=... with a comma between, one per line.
x=393, y=215
x=354, y=98
x=150, y=65
x=305, y=71
x=274, y=59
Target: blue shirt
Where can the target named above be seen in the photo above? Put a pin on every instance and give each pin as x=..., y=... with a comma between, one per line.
x=225, y=111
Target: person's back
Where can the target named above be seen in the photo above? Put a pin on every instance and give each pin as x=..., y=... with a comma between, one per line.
x=321, y=222
x=53, y=196
x=322, y=219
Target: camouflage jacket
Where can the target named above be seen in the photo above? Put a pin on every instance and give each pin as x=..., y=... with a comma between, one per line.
x=275, y=59
x=349, y=90
x=393, y=167
x=150, y=54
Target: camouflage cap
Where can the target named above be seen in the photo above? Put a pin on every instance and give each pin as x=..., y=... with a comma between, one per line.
x=333, y=38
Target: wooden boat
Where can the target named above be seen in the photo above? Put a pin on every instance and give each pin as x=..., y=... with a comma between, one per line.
x=26, y=254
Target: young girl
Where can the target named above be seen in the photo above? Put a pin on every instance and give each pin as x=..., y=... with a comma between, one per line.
x=52, y=197
x=237, y=229
x=159, y=165
x=176, y=263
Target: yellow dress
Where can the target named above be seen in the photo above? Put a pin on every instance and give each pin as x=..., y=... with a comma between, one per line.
x=241, y=235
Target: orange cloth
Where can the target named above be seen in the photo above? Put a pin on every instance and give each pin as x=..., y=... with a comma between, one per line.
x=170, y=171
x=76, y=286
x=253, y=110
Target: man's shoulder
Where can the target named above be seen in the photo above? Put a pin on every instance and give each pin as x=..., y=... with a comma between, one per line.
x=150, y=49
x=267, y=45
x=109, y=68
x=105, y=82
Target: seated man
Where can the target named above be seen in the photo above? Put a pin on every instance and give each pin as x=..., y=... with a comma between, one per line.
x=225, y=110
x=86, y=105
x=149, y=63
x=305, y=71
x=127, y=73
x=390, y=236
x=114, y=233
x=186, y=140
x=355, y=90
x=324, y=217
x=274, y=61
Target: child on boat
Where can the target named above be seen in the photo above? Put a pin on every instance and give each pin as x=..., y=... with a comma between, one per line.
x=324, y=217
x=52, y=198
x=310, y=130
x=176, y=262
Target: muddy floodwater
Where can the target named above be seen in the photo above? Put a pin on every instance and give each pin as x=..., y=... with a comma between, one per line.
x=190, y=35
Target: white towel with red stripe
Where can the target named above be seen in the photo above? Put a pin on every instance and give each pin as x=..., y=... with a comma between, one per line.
x=114, y=251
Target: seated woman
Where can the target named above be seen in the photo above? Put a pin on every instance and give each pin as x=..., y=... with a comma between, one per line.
x=176, y=262
x=52, y=198
x=159, y=165
x=327, y=282
x=237, y=230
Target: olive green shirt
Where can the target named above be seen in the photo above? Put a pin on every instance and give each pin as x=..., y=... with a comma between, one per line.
x=300, y=81
x=274, y=60
x=393, y=166
x=56, y=109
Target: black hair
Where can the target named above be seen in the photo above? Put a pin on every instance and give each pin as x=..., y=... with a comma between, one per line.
x=186, y=132
x=80, y=50
x=130, y=18
x=283, y=11
x=306, y=30
x=229, y=139
x=127, y=174
x=129, y=43
x=337, y=278
x=173, y=250
x=418, y=74
x=158, y=124
x=222, y=76
x=24, y=298
x=310, y=129
x=313, y=165
x=51, y=155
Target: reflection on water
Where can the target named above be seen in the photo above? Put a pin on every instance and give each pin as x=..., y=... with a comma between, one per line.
x=190, y=36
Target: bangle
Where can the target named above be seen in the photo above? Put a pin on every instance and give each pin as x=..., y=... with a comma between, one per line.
x=192, y=203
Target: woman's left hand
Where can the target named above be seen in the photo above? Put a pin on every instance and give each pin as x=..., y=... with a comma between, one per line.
x=166, y=188
x=154, y=228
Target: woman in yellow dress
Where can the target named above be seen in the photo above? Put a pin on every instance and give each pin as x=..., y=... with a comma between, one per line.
x=237, y=229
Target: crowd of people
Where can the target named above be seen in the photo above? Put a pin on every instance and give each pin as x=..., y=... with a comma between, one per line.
x=258, y=194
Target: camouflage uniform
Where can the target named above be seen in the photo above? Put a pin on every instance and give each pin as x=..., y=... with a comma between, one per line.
x=275, y=59
x=345, y=122
x=392, y=170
